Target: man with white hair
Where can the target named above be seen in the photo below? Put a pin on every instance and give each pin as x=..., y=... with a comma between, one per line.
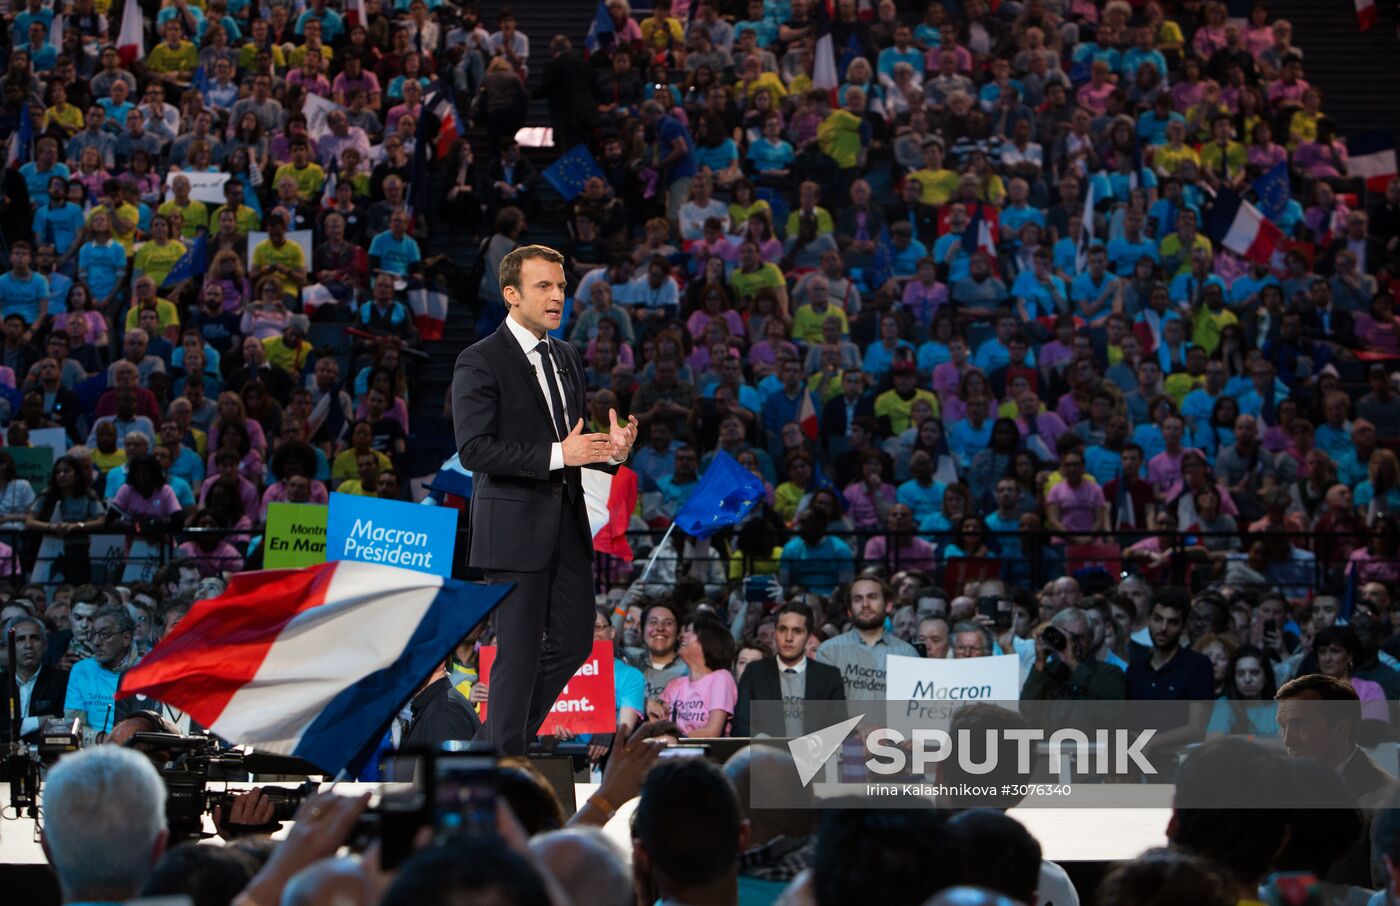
x=104, y=824
x=586, y=864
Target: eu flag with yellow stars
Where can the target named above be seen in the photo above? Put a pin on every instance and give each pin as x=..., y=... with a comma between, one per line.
x=568, y=174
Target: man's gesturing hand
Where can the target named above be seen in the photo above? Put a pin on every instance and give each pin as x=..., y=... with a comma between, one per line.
x=622, y=437
x=582, y=449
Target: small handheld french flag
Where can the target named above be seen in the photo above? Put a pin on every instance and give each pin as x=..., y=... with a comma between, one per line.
x=1241, y=228
x=311, y=662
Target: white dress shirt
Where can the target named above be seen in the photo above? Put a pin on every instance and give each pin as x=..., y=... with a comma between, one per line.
x=528, y=343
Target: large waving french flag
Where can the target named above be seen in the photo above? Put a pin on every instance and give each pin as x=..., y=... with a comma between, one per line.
x=311, y=662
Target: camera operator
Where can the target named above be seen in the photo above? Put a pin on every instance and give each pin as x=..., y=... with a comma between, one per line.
x=104, y=824
x=1064, y=668
x=41, y=687
x=439, y=715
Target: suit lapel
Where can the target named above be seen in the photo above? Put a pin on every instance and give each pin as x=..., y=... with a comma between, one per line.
x=521, y=362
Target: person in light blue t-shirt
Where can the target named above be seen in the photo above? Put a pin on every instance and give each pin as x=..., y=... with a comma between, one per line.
x=92, y=683
x=393, y=250
x=22, y=291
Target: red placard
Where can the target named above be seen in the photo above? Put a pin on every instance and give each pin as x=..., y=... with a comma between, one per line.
x=588, y=703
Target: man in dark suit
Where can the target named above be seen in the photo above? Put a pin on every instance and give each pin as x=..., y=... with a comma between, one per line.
x=42, y=687
x=1320, y=717
x=515, y=395
x=841, y=410
x=439, y=715
x=1324, y=321
x=790, y=677
x=567, y=84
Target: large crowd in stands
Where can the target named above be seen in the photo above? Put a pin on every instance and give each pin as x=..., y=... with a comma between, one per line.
x=960, y=312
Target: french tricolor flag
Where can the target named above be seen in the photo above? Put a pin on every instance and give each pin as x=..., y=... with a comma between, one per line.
x=1242, y=228
x=1371, y=156
x=611, y=498
x=131, y=40
x=311, y=662
x=429, y=307
x=807, y=416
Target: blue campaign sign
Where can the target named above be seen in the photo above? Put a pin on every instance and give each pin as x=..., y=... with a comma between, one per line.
x=391, y=532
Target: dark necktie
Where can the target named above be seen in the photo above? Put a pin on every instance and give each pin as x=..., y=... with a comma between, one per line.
x=556, y=400
x=790, y=670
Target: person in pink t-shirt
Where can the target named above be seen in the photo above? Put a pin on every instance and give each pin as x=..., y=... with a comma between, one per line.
x=1076, y=506
x=701, y=703
x=1164, y=469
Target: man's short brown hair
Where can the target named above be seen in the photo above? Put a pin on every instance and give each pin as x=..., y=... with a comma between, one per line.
x=508, y=274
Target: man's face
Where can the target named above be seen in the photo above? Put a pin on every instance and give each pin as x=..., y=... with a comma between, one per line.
x=970, y=644
x=867, y=604
x=29, y=647
x=685, y=464
x=80, y=620
x=933, y=632
x=790, y=637
x=538, y=303
x=659, y=632
x=108, y=642
x=1166, y=625
x=1306, y=732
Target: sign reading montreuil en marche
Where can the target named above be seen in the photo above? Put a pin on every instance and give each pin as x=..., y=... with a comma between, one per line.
x=391, y=532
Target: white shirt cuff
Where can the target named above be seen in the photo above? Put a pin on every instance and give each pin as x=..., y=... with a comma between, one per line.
x=556, y=457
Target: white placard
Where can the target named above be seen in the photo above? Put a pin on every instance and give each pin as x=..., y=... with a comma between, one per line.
x=987, y=679
x=300, y=237
x=317, y=109
x=55, y=439
x=205, y=187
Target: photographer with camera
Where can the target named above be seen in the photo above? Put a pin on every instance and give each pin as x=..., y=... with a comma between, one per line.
x=1064, y=668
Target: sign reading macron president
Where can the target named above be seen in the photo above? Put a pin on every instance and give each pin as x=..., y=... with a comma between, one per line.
x=407, y=535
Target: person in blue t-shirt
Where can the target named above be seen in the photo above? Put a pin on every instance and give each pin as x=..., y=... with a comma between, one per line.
x=102, y=261
x=59, y=222
x=676, y=150
x=23, y=292
x=43, y=167
x=1039, y=292
x=393, y=250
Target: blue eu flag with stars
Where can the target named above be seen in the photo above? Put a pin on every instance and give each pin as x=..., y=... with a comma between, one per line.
x=1272, y=191
x=568, y=174
x=727, y=492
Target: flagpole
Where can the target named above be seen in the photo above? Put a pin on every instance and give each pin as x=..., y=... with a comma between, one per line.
x=655, y=552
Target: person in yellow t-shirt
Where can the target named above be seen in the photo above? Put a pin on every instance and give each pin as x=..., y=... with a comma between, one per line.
x=366, y=482
x=897, y=404
x=157, y=256
x=1167, y=159
x=280, y=257
x=936, y=185
x=66, y=116
x=808, y=194
x=839, y=135
x=174, y=60
x=308, y=175
x=344, y=467
x=661, y=32
x=106, y=455
x=145, y=298
x=194, y=213
x=291, y=350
